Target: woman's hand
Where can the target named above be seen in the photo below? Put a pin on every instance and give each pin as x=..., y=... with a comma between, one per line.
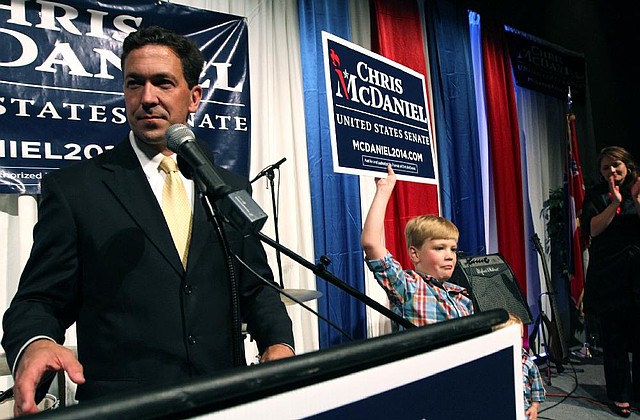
x=614, y=191
x=635, y=191
x=635, y=195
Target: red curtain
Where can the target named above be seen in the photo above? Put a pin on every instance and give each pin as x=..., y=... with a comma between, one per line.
x=398, y=36
x=504, y=146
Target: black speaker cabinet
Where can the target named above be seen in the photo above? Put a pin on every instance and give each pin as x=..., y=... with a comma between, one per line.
x=491, y=284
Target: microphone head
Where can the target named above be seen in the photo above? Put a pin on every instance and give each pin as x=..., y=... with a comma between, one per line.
x=178, y=134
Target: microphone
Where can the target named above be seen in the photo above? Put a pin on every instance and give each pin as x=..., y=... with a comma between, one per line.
x=235, y=204
x=181, y=140
x=268, y=169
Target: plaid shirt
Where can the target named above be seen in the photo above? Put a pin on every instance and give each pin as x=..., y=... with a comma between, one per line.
x=531, y=381
x=418, y=297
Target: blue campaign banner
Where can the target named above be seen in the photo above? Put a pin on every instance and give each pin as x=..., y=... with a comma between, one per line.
x=545, y=67
x=378, y=114
x=61, y=95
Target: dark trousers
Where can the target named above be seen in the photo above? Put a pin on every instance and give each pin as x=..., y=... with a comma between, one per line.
x=620, y=335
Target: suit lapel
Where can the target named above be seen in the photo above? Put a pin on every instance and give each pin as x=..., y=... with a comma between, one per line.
x=128, y=183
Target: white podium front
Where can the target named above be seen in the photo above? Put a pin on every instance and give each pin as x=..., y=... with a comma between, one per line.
x=457, y=369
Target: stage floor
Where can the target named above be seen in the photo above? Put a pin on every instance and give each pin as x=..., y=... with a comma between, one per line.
x=578, y=392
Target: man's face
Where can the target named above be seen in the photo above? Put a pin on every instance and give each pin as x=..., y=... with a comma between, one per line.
x=156, y=93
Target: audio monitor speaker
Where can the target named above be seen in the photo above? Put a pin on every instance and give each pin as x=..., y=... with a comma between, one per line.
x=491, y=284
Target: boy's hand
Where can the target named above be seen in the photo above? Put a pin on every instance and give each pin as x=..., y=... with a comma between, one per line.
x=373, y=229
x=532, y=412
x=387, y=184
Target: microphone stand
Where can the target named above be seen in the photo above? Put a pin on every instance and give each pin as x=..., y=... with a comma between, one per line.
x=271, y=284
x=270, y=174
x=213, y=215
x=320, y=270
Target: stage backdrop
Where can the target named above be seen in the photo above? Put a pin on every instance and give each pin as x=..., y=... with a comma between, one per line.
x=278, y=129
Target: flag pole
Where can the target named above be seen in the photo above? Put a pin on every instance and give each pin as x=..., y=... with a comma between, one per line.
x=585, y=351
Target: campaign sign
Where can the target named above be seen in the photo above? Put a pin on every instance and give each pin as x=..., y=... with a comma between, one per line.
x=61, y=81
x=378, y=114
x=545, y=67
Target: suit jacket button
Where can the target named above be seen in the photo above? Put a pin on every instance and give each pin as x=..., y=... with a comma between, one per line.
x=187, y=289
x=191, y=339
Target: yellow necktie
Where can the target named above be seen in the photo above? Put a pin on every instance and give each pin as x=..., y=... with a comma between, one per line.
x=176, y=208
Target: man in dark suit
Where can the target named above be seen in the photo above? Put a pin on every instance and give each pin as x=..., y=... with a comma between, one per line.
x=103, y=257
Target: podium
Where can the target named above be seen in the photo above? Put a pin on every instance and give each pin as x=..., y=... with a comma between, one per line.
x=457, y=369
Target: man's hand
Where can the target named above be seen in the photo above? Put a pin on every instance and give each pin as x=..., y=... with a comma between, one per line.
x=277, y=351
x=38, y=358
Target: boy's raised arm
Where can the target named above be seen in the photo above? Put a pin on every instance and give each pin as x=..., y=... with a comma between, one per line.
x=372, y=232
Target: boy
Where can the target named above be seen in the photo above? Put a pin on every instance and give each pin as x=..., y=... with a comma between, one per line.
x=534, y=392
x=423, y=295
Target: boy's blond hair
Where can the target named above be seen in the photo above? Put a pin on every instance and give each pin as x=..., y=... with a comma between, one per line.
x=421, y=228
x=513, y=320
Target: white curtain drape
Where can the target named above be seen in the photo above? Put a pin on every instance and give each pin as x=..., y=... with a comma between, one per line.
x=488, y=199
x=18, y=214
x=543, y=139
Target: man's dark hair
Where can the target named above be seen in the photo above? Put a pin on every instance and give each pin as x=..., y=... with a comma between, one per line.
x=190, y=56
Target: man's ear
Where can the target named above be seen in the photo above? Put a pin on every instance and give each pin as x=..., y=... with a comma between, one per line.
x=196, y=97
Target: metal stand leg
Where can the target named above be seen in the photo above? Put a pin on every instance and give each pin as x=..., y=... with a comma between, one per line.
x=62, y=389
x=585, y=351
x=269, y=172
x=538, y=330
x=270, y=176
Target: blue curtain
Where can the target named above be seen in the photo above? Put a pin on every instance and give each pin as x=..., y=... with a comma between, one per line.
x=454, y=101
x=335, y=198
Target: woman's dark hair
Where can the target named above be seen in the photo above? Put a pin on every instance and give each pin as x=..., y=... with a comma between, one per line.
x=190, y=56
x=621, y=154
